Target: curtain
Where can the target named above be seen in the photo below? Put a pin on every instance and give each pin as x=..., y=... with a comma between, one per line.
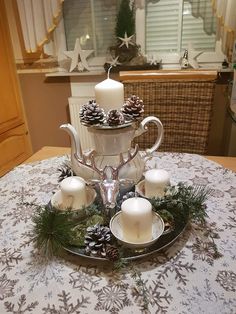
x=42, y=26
x=225, y=11
x=203, y=9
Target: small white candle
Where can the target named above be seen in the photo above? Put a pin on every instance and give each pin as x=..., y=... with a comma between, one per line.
x=156, y=180
x=136, y=220
x=73, y=191
x=109, y=94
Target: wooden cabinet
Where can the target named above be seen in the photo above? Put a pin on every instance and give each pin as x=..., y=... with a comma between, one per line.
x=15, y=144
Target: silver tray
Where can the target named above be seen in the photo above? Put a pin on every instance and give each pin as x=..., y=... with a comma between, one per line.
x=128, y=254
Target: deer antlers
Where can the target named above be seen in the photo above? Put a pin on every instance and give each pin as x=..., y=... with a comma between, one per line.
x=108, y=172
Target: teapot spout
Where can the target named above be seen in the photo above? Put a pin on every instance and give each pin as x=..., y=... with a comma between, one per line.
x=75, y=141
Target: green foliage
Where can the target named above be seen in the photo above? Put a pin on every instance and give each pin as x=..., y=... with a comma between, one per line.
x=182, y=201
x=53, y=230
x=125, y=20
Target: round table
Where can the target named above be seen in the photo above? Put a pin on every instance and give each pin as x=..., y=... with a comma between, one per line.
x=185, y=278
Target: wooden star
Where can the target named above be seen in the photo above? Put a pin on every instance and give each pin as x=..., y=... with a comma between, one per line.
x=126, y=40
x=192, y=56
x=114, y=62
x=78, y=57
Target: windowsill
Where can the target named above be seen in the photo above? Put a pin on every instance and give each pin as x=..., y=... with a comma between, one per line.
x=55, y=72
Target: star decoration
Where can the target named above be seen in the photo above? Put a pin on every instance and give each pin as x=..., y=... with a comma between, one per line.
x=114, y=62
x=126, y=41
x=78, y=57
x=192, y=56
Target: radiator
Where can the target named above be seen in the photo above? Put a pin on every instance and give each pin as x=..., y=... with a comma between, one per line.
x=74, y=106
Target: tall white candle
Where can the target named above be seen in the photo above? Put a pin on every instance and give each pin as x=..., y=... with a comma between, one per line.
x=73, y=191
x=136, y=220
x=109, y=94
x=156, y=180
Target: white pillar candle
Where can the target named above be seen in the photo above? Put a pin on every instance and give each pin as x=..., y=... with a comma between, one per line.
x=73, y=191
x=136, y=220
x=156, y=180
x=109, y=94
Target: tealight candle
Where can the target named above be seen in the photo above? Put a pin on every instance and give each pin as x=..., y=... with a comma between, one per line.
x=156, y=180
x=136, y=220
x=73, y=191
x=109, y=94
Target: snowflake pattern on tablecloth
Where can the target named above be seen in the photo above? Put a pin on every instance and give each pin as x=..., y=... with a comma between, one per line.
x=184, y=278
x=21, y=306
x=9, y=257
x=112, y=297
x=85, y=278
x=227, y=279
x=65, y=306
x=6, y=287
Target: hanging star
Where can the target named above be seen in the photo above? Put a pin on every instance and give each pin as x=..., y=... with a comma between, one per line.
x=192, y=56
x=114, y=62
x=78, y=57
x=126, y=41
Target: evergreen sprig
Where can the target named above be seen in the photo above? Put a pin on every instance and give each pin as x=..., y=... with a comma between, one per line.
x=53, y=230
x=182, y=201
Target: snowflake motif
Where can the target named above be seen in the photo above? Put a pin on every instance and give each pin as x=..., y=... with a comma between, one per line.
x=157, y=296
x=184, y=164
x=21, y=306
x=203, y=251
x=6, y=287
x=232, y=191
x=85, y=278
x=200, y=181
x=217, y=193
x=8, y=237
x=41, y=271
x=232, y=207
x=231, y=224
x=10, y=257
x=174, y=265
x=66, y=307
x=227, y=280
x=23, y=212
x=47, y=187
x=112, y=297
x=200, y=300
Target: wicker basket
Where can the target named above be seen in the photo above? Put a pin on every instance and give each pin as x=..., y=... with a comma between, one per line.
x=184, y=107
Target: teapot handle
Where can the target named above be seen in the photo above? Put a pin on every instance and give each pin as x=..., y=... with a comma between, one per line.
x=143, y=128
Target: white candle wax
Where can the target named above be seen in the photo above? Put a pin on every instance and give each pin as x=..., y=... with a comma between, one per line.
x=109, y=94
x=136, y=220
x=156, y=181
x=73, y=191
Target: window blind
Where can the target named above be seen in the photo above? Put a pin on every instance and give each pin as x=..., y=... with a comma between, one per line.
x=162, y=19
x=193, y=30
x=170, y=26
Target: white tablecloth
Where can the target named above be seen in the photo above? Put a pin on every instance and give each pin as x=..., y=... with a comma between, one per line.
x=183, y=279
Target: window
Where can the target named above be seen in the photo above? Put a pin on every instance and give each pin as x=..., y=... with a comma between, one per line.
x=93, y=22
x=169, y=26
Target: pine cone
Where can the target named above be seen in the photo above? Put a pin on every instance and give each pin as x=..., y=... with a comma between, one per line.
x=112, y=253
x=133, y=108
x=65, y=171
x=91, y=113
x=125, y=197
x=96, y=240
x=115, y=117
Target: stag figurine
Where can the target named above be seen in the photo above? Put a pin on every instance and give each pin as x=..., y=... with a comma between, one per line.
x=108, y=182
